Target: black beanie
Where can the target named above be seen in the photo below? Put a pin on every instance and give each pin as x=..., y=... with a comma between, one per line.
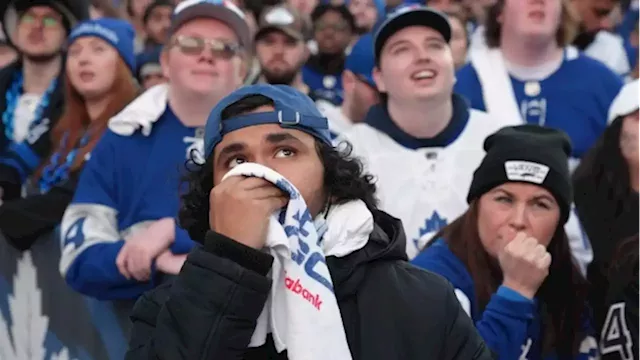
x=526, y=153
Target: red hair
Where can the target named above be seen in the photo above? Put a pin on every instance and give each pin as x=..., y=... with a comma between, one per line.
x=75, y=118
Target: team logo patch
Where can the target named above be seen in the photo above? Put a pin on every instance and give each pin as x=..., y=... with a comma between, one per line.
x=526, y=171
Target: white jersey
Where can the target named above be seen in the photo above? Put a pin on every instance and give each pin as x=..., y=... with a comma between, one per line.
x=338, y=122
x=426, y=188
x=608, y=48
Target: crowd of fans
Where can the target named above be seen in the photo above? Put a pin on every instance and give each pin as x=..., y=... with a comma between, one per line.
x=492, y=142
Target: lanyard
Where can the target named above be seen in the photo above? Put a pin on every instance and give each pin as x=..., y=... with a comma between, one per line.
x=54, y=172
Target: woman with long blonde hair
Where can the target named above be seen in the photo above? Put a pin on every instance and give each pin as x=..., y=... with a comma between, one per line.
x=98, y=84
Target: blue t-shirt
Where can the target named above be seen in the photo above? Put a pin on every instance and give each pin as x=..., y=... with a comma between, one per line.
x=575, y=98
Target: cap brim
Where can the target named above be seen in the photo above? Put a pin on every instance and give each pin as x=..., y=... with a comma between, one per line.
x=292, y=33
x=418, y=17
x=217, y=12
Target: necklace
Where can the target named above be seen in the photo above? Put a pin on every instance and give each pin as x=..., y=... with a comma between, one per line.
x=13, y=95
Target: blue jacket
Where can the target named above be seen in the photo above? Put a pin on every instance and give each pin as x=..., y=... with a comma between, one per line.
x=510, y=324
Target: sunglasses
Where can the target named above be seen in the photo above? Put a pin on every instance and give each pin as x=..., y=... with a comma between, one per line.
x=191, y=45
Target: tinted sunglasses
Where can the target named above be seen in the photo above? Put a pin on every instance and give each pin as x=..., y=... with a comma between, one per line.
x=191, y=45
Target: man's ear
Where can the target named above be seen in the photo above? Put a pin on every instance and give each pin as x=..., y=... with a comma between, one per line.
x=348, y=80
x=377, y=77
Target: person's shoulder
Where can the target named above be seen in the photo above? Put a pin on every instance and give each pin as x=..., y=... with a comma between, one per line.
x=595, y=69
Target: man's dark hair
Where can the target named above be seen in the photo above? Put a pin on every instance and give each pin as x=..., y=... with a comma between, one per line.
x=344, y=178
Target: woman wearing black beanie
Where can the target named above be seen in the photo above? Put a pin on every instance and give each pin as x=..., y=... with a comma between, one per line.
x=508, y=255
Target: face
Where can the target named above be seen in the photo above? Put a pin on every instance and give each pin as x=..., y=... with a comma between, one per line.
x=415, y=64
x=332, y=32
x=303, y=6
x=91, y=66
x=291, y=153
x=594, y=14
x=531, y=19
x=40, y=33
x=158, y=23
x=281, y=57
x=459, y=42
x=360, y=94
x=153, y=80
x=138, y=7
x=192, y=65
x=516, y=207
x=365, y=14
x=629, y=140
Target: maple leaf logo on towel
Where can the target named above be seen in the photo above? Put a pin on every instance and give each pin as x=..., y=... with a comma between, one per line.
x=29, y=326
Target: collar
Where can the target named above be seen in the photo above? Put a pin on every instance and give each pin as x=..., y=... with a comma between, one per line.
x=378, y=117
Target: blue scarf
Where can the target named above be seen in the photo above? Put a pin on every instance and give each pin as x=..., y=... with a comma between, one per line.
x=56, y=172
x=13, y=94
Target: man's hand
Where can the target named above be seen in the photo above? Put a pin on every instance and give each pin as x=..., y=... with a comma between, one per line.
x=169, y=263
x=240, y=208
x=139, y=251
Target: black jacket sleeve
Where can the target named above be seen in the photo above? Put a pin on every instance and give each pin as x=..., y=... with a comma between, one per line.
x=211, y=308
x=23, y=221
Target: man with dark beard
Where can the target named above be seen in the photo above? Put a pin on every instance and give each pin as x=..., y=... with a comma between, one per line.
x=31, y=97
x=280, y=47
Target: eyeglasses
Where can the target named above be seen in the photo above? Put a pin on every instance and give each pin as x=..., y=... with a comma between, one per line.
x=47, y=21
x=191, y=45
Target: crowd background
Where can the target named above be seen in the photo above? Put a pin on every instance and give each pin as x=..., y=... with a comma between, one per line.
x=66, y=297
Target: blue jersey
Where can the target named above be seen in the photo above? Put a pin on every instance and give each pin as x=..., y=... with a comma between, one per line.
x=128, y=182
x=575, y=98
x=510, y=324
x=323, y=86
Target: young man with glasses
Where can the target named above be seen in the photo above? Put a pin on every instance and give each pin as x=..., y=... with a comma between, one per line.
x=119, y=233
x=31, y=97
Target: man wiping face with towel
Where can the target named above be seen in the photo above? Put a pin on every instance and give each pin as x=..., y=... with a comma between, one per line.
x=297, y=262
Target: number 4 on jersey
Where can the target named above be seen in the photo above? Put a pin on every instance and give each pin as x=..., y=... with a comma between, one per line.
x=75, y=234
x=616, y=337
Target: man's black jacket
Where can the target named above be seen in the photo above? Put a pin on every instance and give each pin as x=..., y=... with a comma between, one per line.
x=390, y=309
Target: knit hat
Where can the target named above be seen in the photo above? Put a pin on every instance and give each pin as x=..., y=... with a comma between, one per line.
x=529, y=154
x=626, y=102
x=293, y=110
x=148, y=63
x=118, y=33
x=71, y=11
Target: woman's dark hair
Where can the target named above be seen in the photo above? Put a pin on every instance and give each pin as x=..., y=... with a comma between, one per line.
x=603, y=192
x=562, y=296
x=567, y=30
x=344, y=179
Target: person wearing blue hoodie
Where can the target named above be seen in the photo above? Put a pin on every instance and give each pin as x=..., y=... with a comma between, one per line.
x=508, y=255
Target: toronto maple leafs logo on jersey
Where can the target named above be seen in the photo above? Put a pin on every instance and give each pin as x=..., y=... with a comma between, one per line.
x=431, y=224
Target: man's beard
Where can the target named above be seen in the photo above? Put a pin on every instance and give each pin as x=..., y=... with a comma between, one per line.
x=280, y=78
x=41, y=58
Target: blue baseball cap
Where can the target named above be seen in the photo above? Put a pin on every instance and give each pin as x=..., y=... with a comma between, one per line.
x=409, y=15
x=117, y=33
x=360, y=59
x=293, y=110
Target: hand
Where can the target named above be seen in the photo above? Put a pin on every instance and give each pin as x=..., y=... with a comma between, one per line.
x=138, y=252
x=240, y=208
x=525, y=264
x=169, y=263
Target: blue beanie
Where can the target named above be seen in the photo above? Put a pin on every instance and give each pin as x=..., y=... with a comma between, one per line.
x=118, y=33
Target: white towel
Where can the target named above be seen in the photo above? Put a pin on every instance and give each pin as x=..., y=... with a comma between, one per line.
x=142, y=112
x=302, y=311
x=497, y=90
